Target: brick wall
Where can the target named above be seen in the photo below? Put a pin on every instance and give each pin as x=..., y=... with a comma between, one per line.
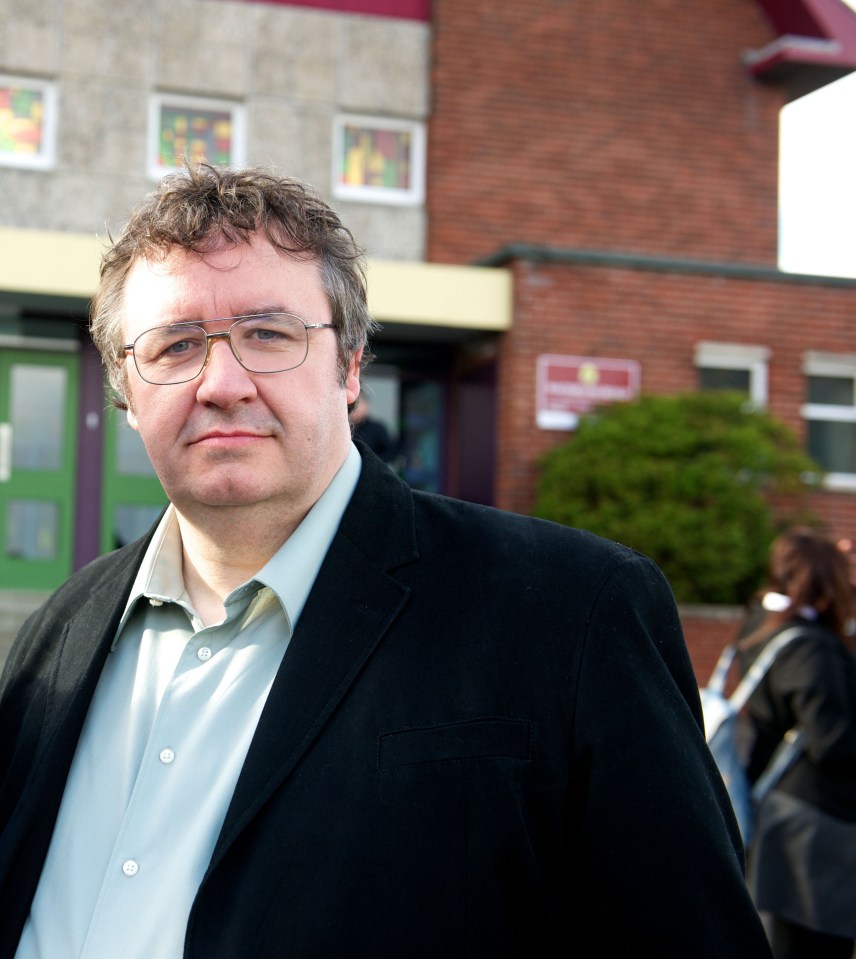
x=610, y=125
x=620, y=127
x=707, y=630
x=657, y=318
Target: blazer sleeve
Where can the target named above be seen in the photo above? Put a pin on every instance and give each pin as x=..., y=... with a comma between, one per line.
x=654, y=825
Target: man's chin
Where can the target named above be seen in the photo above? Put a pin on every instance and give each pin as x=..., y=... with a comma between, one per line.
x=221, y=494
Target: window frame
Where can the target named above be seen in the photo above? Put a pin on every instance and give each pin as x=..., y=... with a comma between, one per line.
x=738, y=356
x=45, y=159
x=414, y=195
x=161, y=99
x=838, y=365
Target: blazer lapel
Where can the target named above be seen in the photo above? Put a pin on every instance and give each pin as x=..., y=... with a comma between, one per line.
x=352, y=604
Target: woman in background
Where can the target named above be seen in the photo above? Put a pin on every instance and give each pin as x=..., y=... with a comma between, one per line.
x=802, y=858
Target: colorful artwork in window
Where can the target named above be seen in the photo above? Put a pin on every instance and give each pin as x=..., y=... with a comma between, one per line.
x=376, y=157
x=26, y=122
x=196, y=130
x=380, y=160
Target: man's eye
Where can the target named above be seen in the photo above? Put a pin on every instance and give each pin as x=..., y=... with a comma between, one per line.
x=176, y=349
x=267, y=335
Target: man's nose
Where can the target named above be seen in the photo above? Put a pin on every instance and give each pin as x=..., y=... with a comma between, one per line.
x=223, y=380
x=212, y=339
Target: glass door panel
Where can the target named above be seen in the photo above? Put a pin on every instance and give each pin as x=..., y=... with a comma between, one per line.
x=38, y=419
x=133, y=496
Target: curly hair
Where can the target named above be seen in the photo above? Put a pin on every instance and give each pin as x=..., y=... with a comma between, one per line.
x=202, y=206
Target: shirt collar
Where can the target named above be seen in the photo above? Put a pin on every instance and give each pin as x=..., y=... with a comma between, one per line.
x=289, y=573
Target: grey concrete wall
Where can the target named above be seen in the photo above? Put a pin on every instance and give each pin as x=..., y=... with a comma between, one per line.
x=292, y=69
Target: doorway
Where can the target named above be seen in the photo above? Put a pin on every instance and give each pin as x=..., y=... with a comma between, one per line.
x=38, y=427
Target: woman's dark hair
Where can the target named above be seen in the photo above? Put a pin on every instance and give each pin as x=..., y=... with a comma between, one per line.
x=813, y=572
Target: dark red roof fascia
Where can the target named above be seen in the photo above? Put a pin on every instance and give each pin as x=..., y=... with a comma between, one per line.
x=811, y=33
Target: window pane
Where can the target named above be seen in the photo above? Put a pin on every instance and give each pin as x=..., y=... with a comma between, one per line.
x=38, y=401
x=132, y=522
x=831, y=390
x=22, y=113
x=710, y=378
x=32, y=529
x=194, y=132
x=833, y=445
x=376, y=157
x=27, y=122
x=131, y=456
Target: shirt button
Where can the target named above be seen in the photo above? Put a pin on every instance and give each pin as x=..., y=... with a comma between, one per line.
x=167, y=756
x=130, y=868
x=155, y=602
x=204, y=654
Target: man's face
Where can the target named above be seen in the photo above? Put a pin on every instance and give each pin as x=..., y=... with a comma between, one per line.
x=230, y=437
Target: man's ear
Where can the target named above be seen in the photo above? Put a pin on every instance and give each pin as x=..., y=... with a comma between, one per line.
x=352, y=379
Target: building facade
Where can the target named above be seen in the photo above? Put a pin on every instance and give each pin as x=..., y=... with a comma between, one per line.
x=554, y=196
x=97, y=101
x=622, y=161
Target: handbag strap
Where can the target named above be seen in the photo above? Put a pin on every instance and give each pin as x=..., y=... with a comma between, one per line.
x=756, y=671
x=786, y=754
x=720, y=671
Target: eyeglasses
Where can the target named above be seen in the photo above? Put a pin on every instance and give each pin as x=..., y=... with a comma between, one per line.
x=265, y=343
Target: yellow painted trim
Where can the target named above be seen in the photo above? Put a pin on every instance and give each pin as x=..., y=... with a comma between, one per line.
x=49, y=263
x=470, y=297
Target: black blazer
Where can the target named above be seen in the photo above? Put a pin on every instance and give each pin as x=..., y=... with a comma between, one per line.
x=484, y=740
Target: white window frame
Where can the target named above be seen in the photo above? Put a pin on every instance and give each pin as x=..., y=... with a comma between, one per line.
x=738, y=356
x=157, y=101
x=838, y=365
x=415, y=194
x=45, y=159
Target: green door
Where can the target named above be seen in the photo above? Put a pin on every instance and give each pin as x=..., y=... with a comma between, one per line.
x=38, y=433
x=132, y=497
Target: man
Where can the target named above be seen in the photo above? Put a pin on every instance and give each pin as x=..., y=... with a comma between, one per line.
x=313, y=712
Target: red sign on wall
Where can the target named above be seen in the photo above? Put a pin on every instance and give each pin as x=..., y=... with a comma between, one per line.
x=569, y=385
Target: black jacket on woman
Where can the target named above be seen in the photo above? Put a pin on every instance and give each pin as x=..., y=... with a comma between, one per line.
x=811, y=684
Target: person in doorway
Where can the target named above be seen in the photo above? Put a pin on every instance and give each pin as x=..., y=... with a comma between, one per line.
x=314, y=712
x=372, y=432
x=802, y=858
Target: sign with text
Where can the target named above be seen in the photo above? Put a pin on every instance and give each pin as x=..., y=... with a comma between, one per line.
x=569, y=385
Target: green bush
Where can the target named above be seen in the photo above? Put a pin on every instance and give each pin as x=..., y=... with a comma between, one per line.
x=685, y=479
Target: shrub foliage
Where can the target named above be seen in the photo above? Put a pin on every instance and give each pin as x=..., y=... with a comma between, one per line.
x=685, y=479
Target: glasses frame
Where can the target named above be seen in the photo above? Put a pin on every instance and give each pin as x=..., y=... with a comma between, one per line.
x=226, y=335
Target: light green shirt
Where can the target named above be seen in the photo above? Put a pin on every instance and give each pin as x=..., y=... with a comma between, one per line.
x=163, y=745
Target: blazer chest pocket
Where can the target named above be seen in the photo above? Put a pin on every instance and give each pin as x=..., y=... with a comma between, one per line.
x=472, y=756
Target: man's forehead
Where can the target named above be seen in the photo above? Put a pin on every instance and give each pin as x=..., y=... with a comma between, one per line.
x=222, y=279
x=218, y=252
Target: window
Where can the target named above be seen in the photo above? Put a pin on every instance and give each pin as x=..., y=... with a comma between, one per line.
x=830, y=414
x=27, y=122
x=195, y=128
x=379, y=160
x=733, y=366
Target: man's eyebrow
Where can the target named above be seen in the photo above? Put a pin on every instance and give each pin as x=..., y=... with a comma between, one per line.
x=252, y=311
x=264, y=310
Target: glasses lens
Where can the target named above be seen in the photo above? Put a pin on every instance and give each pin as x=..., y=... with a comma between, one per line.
x=268, y=343
x=271, y=343
x=170, y=354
